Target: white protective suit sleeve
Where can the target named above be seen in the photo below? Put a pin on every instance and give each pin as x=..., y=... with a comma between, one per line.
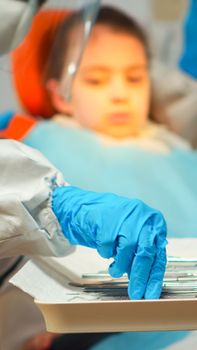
x=28, y=225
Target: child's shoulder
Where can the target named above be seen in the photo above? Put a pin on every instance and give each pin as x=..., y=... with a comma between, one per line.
x=169, y=138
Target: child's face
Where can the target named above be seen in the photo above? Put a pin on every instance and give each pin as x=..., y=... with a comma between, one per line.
x=111, y=91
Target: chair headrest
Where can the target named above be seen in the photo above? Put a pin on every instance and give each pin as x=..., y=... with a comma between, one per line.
x=29, y=61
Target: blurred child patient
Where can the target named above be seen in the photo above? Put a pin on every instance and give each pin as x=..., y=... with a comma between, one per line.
x=111, y=91
x=113, y=144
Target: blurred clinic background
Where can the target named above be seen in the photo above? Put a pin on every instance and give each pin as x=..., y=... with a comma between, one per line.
x=163, y=19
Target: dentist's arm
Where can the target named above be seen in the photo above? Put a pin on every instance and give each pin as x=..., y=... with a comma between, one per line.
x=41, y=214
x=28, y=225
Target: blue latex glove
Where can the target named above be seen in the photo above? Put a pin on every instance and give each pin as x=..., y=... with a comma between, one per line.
x=125, y=229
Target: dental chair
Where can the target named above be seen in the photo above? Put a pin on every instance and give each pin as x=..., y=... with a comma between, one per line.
x=29, y=60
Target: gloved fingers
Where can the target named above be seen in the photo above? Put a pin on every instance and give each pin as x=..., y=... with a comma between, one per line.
x=106, y=250
x=152, y=234
x=140, y=271
x=123, y=257
x=154, y=286
x=153, y=231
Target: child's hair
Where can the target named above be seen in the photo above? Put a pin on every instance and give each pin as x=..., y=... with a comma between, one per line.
x=108, y=16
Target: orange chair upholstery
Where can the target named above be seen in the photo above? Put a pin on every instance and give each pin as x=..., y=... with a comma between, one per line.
x=19, y=127
x=29, y=61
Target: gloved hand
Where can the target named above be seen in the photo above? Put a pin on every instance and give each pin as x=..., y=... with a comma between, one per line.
x=125, y=229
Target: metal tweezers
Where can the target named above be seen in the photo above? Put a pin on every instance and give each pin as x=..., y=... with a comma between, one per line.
x=180, y=281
